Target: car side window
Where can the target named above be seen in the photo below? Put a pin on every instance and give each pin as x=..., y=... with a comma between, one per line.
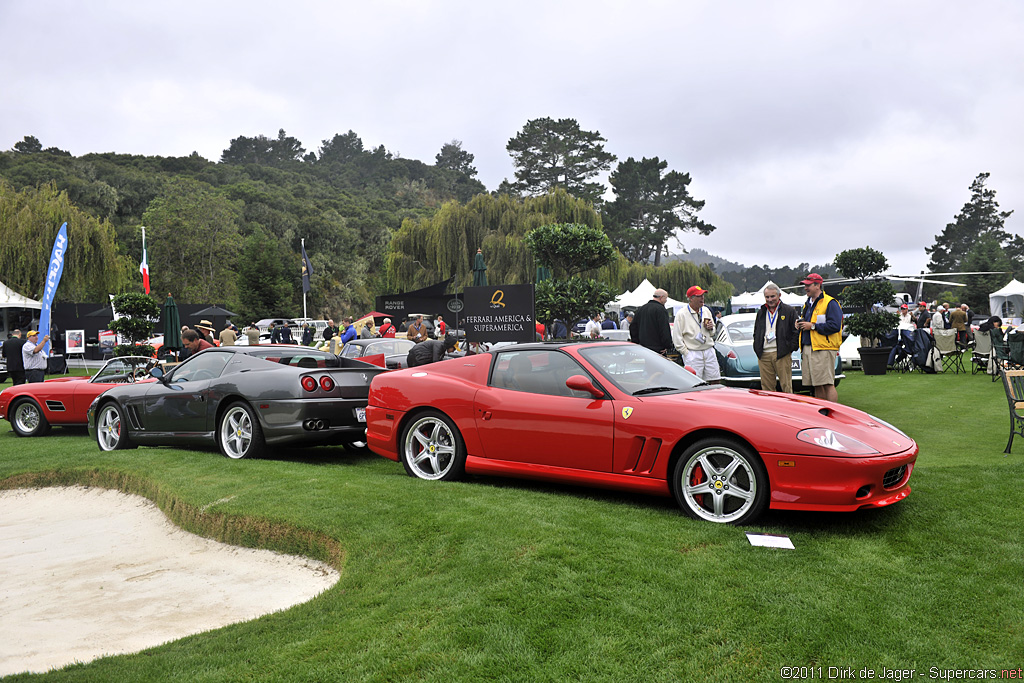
x=350, y=351
x=200, y=367
x=540, y=371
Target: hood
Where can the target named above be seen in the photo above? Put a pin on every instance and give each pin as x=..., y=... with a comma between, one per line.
x=774, y=418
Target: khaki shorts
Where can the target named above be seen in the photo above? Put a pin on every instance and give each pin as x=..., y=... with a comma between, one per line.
x=818, y=367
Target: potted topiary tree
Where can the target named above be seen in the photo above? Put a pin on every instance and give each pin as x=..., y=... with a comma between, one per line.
x=868, y=293
x=139, y=314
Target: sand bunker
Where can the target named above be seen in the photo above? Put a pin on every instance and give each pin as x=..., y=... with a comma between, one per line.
x=91, y=572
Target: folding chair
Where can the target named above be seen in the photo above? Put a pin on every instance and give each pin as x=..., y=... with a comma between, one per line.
x=1013, y=382
x=949, y=351
x=981, y=352
x=1000, y=353
x=901, y=358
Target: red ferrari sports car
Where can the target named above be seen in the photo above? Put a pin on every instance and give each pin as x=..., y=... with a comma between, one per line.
x=33, y=408
x=617, y=415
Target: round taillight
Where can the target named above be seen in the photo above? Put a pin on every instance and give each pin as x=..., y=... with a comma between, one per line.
x=326, y=383
x=308, y=383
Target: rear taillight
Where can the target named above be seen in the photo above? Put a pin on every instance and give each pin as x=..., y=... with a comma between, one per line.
x=308, y=383
x=732, y=355
x=326, y=383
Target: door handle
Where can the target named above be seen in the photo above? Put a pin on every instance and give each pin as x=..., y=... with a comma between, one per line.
x=486, y=415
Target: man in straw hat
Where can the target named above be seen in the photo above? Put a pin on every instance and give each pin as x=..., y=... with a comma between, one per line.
x=206, y=329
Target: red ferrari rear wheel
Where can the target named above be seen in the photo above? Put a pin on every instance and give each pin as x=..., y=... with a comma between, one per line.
x=721, y=480
x=432, y=447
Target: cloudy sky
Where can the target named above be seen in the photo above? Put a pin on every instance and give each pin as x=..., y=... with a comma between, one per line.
x=808, y=126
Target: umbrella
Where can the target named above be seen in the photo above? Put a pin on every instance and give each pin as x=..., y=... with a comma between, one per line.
x=214, y=311
x=479, y=270
x=543, y=273
x=172, y=324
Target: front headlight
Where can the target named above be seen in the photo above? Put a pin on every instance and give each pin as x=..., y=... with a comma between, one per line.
x=826, y=438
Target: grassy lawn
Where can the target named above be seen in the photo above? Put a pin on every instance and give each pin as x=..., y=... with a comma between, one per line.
x=508, y=580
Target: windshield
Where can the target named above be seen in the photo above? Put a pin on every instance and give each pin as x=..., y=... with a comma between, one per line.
x=741, y=331
x=125, y=369
x=637, y=370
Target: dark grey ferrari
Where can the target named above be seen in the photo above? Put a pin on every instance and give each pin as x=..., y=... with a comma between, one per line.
x=243, y=398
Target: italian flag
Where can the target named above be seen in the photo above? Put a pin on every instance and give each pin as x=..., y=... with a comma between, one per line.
x=144, y=266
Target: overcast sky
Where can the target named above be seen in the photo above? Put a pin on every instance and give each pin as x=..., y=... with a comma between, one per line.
x=808, y=126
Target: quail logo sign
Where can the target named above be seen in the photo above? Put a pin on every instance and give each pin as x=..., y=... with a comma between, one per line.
x=499, y=313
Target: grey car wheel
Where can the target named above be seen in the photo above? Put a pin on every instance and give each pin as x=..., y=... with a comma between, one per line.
x=239, y=434
x=432, y=448
x=27, y=419
x=721, y=480
x=111, y=429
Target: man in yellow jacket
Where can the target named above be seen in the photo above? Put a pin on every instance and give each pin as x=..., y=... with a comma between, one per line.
x=821, y=333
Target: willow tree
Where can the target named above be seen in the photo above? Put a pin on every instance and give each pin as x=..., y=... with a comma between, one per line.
x=29, y=223
x=428, y=250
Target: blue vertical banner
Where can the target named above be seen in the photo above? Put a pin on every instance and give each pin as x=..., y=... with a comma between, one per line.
x=53, y=273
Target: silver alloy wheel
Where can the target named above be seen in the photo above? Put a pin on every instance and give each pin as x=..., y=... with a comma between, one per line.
x=27, y=418
x=719, y=484
x=108, y=427
x=236, y=432
x=430, y=448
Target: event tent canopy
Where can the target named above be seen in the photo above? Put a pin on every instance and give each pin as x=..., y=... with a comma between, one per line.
x=756, y=299
x=11, y=299
x=643, y=293
x=1013, y=293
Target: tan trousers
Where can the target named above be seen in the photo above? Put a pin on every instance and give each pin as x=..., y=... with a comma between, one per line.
x=772, y=367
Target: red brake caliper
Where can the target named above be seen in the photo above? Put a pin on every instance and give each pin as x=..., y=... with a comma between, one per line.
x=698, y=478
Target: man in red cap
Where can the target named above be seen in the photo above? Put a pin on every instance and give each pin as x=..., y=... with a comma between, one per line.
x=906, y=319
x=922, y=317
x=694, y=336
x=821, y=333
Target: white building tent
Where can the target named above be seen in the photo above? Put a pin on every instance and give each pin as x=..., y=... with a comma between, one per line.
x=756, y=299
x=643, y=293
x=1012, y=294
x=11, y=301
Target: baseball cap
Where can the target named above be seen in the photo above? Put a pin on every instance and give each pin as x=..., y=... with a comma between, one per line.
x=812, y=279
x=31, y=333
x=695, y=291
x=904, y=306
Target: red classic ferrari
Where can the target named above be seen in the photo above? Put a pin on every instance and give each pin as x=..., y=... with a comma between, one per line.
x=33, y=408
x=616, y=415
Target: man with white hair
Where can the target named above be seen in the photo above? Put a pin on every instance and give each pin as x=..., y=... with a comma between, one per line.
x=775, y=340
x=694, y=336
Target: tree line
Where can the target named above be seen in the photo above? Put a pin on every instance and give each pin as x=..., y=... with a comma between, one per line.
x=229, y=231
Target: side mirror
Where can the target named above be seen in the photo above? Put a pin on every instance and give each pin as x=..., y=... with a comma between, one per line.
x=157, y=374
x=582, y=383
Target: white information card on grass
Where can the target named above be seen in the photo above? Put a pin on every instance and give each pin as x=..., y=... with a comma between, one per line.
x=771, y=541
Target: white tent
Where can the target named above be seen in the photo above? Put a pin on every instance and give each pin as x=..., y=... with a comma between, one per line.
x=756, y=299
x=11, y=299
x=9, y=302
x=643, y=293
x=1013, y=294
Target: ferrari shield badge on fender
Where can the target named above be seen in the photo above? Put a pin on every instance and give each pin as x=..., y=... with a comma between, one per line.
x=626, y=412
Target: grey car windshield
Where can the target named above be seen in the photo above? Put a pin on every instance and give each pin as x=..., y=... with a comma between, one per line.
x=637, y=370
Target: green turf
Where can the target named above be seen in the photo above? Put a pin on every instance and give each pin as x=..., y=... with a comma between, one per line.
x=507, y=580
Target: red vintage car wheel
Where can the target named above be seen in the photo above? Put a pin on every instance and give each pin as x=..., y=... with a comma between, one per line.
x=721, y=480
x=27, y=419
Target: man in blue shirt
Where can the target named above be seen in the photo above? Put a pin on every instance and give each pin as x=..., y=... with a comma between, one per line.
x=350, y=331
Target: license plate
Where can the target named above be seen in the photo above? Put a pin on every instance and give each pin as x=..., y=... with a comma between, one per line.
x=796, y=364
x=361, y=414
